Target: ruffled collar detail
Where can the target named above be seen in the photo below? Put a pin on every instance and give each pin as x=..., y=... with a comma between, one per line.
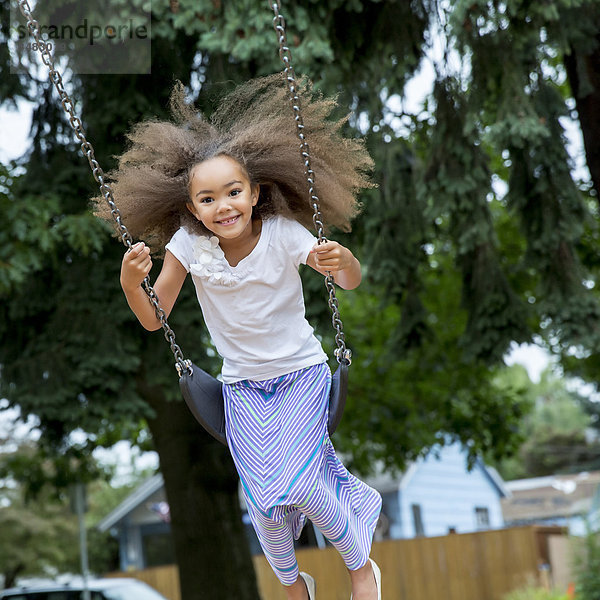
x=211, y=263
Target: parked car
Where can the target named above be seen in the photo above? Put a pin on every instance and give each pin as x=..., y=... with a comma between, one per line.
x=100, y=589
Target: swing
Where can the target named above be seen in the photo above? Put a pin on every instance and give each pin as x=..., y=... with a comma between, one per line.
x=201, y=391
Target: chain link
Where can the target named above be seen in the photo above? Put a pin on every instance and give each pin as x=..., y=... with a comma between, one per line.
x=181, y=364
x=342, y=353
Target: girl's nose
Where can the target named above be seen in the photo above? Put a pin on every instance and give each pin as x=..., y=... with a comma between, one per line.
x=224, y=205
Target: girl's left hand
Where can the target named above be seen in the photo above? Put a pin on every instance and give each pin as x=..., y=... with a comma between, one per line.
x=332, y=256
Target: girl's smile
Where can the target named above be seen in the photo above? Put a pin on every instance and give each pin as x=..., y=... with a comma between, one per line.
x=229, y=221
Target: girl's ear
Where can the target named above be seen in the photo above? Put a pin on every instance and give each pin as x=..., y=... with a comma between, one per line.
x=255, y=193
x=190, y=206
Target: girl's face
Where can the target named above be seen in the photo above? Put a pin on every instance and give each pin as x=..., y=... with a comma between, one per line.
x=222, y=197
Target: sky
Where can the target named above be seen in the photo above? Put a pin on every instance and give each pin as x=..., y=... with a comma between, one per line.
x=14, y=131
x=534, y=358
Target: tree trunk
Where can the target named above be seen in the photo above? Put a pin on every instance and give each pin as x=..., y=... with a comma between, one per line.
x=583, y=71
x=10, y=575
x=201, y=485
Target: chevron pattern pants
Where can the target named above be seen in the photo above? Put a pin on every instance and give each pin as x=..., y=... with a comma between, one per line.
x=277, y=435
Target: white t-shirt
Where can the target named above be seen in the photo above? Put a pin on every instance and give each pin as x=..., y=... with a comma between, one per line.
x=254, y=311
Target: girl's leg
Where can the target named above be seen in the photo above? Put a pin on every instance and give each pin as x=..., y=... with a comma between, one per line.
x=363, y=583
x=297, y=591
x=324, y=509
x=277, y=542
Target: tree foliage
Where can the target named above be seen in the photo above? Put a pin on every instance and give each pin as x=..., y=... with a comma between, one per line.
x=39, y=533
x=477, y=235
x=37, y=539
x=557, y=435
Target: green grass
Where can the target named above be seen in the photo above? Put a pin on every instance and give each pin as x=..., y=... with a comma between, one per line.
x=535, y=593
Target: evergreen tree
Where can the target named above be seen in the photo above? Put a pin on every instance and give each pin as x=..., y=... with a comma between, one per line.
x=456, y=269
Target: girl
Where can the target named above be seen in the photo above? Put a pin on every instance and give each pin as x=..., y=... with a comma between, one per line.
x=226, y=199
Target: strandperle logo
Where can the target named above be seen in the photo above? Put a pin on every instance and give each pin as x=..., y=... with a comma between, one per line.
x=93, y=33
x=85, y=36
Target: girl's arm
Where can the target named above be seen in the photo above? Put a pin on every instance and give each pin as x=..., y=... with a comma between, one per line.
x=339, y=261
x=135, y=267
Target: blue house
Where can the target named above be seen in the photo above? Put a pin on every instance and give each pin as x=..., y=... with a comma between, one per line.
x=435, y=496
x=142, y=525
x=438, y=495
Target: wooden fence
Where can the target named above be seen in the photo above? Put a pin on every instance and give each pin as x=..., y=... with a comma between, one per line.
x=473, y=566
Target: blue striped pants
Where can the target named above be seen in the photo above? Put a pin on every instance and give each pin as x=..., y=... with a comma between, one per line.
x=277, y=435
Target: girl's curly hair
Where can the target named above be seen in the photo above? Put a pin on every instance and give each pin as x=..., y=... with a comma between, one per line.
x=255, y=126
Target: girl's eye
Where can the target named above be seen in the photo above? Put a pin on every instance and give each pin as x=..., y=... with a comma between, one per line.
x=206, y=200
x=235, y=192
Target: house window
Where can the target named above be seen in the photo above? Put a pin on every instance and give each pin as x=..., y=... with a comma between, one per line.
x=482, y=517
x=417, y=519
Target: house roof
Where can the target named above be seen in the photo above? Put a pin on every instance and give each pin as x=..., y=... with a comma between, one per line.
x=387, y=481
x=556, y=496
x=495, y=478
x=137, y=497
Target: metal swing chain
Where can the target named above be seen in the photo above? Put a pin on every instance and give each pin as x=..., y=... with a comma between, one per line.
x=341, y=353
x=87, y=149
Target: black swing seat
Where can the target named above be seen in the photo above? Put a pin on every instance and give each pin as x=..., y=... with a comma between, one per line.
x=204, y=397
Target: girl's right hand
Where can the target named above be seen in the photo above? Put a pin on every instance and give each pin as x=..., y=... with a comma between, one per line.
x=135, y=266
